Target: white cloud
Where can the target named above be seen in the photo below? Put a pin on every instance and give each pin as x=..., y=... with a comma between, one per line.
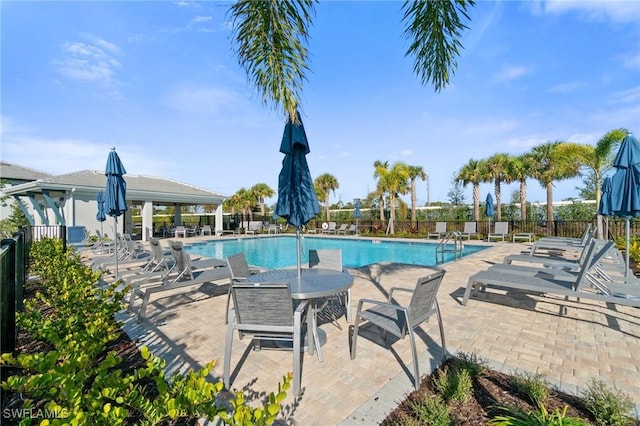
x=629, y=96
x=512, y=73
x=525, y=143
x=601, y=11
x=93, y=61
x=406, y=153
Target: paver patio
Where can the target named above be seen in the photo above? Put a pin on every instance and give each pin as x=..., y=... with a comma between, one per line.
x=568, y=342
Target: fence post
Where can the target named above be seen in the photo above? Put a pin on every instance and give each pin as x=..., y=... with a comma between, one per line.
x=8, y=296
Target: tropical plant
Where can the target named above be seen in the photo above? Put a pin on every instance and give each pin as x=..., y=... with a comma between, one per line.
x=553, y=161
x=394, y=182
x=261, y=191
x=609, y=408
x=324, y=184
x=517, y=417
x=497, y=169
x=473, y=173
x=271, y=44
x=415, y=172
x=519, y=171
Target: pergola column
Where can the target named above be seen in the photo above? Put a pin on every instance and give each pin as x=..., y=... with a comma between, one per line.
x=147, y=220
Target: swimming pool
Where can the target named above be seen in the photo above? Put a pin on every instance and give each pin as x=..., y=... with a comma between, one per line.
x=280, y=251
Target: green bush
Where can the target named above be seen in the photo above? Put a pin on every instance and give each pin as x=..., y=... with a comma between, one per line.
x=430, y=410
x=454, y=384
x=534, y=386
x=608, y=407
x=517, y=417
x=77, y=381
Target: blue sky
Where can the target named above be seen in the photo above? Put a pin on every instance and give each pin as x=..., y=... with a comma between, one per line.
x=158, y=80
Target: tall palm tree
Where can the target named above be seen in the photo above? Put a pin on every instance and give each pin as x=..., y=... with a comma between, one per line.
x=271, y=40
x=473, y=173
x=553, y=161
x=380, y=168
x=325, y=184
x=261, y=191
x=415, y=172
x=395, y=182
x=598, y=159
x=497, y=166
x=519, y=171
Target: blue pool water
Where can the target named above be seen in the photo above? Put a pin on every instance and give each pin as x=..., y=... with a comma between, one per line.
x=280, y=251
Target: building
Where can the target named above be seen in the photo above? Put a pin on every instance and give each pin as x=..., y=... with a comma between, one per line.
x=70, y=199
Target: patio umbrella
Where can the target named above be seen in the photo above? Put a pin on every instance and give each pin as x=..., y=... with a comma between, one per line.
x=297, y=200
x=101, y=217
x=489, y=210
x=625, y=185
x=356, y=214
x=115, y=194
x=604, y=208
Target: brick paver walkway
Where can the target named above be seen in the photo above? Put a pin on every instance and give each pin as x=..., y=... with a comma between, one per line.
x=568, y=342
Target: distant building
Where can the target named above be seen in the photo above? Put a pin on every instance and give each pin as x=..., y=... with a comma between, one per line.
x=70, y=199
x=12, y=175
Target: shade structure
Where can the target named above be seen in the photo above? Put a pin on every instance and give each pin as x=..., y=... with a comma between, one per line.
x=604, y=208
x=489, y=210
x=356, y=214
x=625, y=185
x=297, y=200
x=101, y=217
x=115, y=194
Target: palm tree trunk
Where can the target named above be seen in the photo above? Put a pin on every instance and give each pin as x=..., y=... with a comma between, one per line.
x=382, y=210
x=476, y=202
x=326, y=207
x=523, y=200
x=550, y=224
x=498, y=201
x=413, y=204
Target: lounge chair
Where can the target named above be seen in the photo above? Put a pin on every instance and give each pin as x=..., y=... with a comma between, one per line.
x=401, y=320
x=331, y=259
x=441, y=230
x=265, y=311
x=541, y=284
x=342, y=229
x=130, y=253
x=586, y=232
x=470, y=229
x=575, y=245
x=353, y=229
x=330, y=228
x=185, y=275
x=500, y=231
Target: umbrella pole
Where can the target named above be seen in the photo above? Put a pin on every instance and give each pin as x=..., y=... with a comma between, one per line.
x=627, y=232
x=115, y=233
x=101, y=239
x=298, y=262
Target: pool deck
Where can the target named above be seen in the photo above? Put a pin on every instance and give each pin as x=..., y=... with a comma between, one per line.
x=510, y=330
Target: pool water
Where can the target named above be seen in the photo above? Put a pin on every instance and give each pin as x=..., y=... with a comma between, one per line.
x=280, y=251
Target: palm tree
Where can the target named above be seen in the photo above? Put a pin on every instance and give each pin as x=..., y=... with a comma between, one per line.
x=325, y=184
x=271, y=40
x=262, y=191
x=497, y=166
x=519, y=170
x=393, y=181
x=380, y=168
x=473, y=173
x=598, y=160
x=415, y=172
x=553, y=161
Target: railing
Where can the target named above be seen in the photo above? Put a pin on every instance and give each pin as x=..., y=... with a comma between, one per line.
x=451, y=243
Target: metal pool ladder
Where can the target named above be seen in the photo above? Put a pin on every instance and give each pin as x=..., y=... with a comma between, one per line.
x=451, y=243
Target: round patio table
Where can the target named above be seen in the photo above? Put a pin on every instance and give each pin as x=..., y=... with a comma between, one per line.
x=315, y=283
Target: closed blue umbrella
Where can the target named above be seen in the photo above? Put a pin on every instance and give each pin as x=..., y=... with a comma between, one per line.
x=115, y=194
x=489, y=209
x=297, y=200
x=101, y=217
x=625, y=185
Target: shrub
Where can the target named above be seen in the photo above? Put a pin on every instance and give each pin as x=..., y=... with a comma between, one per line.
x=609, y=408
x=534, y=386
x=430, y=410
x=77, y=381
x=517, y=417
x=454, y=384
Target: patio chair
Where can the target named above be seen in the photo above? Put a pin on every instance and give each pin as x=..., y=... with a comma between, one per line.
x=441, y=230
x=584, y=285
x=265, y=311
x=184, y=274
x=500, y=231
x=353, y=229
x=331, y=259
x=342, y=229
x=205, y=230
x=470, y=229
x=401, y=320
x=330, y=228
x=180, y=230
x=239, y=271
